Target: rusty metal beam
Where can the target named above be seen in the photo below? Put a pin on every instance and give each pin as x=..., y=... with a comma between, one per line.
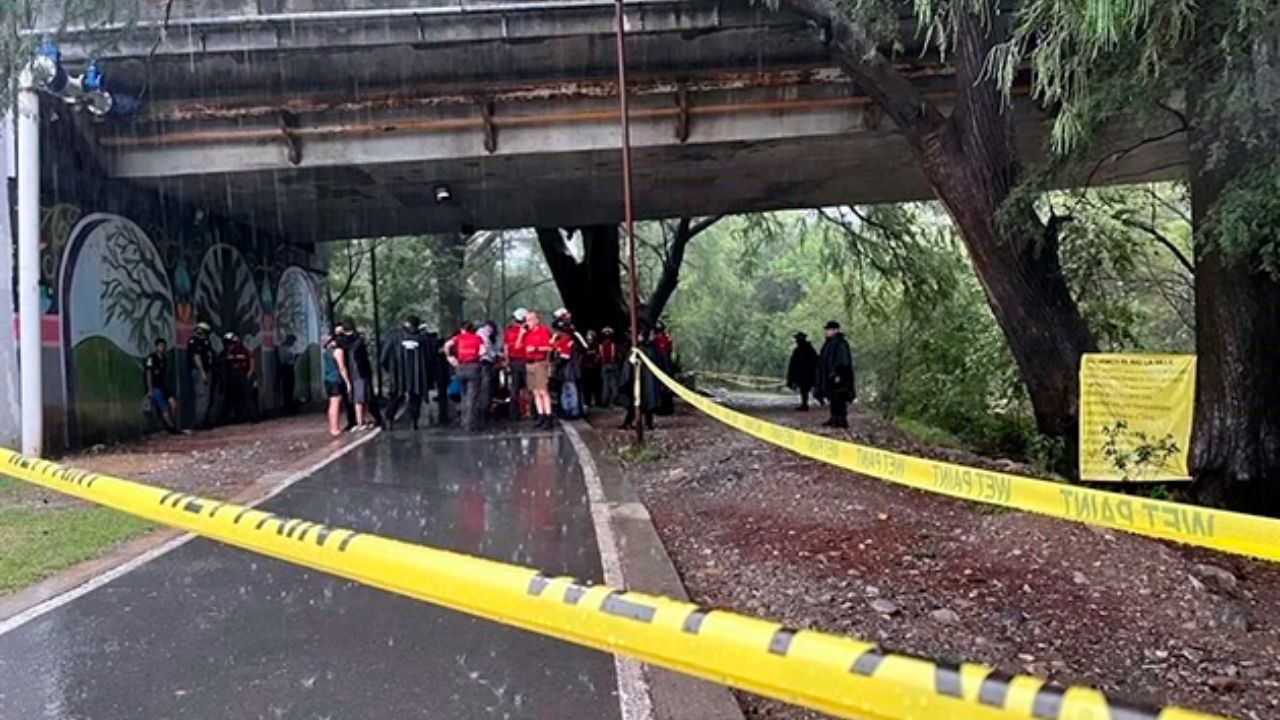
x=479, y=122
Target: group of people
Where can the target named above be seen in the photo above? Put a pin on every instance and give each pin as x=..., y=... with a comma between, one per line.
x=828, y=374
x=224, y=383
x=531, y=370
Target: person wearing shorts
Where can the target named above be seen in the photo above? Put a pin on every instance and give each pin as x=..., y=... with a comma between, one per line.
x=335, y=383
x=156, y=375
x=535, y=341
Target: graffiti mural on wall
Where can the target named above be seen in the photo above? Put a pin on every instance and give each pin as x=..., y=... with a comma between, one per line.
x=111, y=286
x=298, y=315
x=117, y=301
x=226, y=295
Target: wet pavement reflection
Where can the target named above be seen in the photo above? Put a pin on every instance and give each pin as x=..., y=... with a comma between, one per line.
x=208, y=631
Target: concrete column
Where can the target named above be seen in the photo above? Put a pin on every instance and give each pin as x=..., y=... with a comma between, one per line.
x=28, y=121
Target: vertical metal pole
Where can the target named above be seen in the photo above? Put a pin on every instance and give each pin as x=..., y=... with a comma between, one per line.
x=29, y=266
x=620, y=33
x=377, y=317
x=502, y=241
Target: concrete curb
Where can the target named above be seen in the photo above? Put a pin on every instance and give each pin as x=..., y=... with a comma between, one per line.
x=646, y=566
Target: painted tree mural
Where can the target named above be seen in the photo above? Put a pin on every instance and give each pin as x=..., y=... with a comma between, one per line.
x=227, y=296
x=135, y=285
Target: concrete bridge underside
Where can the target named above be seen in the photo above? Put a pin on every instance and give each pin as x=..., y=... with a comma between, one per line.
x=328, y=125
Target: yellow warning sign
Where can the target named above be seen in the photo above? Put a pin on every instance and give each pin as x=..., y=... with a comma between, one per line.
x=1135, y=416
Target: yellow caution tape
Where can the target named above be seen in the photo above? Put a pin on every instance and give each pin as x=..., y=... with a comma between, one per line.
x=837, y=675
x=1238, y=533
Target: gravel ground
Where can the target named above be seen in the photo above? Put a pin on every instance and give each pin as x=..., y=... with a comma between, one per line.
x=217, y=463
x=759, y=530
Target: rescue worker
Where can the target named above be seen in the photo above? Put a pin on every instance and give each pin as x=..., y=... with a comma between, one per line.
x=609, y=356
x=200, y=367
x=802, y=369
x=535, y=341
x=568, y=367
x=360, y=368
x=516, y=371
x=156, y=375
x=835, y=376
x=465, y=351
x=238, y=369
x=405, y=359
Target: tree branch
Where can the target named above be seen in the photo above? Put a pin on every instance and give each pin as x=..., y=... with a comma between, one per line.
x=670, y=278
x=1160, y=238
x=858, y=57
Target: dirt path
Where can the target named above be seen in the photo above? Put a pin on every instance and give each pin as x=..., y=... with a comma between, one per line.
x=757, y=529
x=217, y=463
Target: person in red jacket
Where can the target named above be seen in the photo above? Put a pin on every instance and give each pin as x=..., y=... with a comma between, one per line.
x=608, y=352
x=662, y=341
x=535, y=341
x=517, y=372
x=465, y=350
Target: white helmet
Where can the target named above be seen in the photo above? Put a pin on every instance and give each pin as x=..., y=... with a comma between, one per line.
x=560, y=313
x=520, y=314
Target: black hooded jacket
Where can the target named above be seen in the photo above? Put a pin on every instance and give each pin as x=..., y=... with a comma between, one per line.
x=835, y=370
x=803, y=366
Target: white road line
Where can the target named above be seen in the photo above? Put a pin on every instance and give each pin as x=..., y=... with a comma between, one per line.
x=97, y=581
x=633, y=690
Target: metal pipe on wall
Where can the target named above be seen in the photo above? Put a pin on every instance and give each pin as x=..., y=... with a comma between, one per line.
x=29, y=320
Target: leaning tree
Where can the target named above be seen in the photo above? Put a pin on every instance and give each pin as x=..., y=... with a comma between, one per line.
x=968, y=154
x=1221, y=58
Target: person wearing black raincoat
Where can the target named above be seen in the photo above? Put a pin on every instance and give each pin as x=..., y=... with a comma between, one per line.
x=835, y=381
x=405, y=358
x=649, y=399
x=802, y=369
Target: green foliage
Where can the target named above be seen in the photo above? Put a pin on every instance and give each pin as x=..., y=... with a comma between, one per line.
x=927, y=349
x=1046, y=454
x=928, y=434
x=1248, y=213
x=635, y=454
x=1134, y=454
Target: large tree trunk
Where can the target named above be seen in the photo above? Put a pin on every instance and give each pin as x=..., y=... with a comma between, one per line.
x=450, y=261
x=605, y=306
x=1235, y=448
x=591, y=289
x=972, y=163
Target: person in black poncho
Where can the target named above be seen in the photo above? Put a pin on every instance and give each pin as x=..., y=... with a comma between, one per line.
x=802, y=368
x=835, y=376
x=405, y=357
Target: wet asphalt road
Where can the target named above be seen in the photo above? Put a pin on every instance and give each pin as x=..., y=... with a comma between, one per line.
x=208, y=631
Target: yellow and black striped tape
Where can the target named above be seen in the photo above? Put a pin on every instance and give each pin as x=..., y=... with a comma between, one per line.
x=1238, y=533
x=837, y=675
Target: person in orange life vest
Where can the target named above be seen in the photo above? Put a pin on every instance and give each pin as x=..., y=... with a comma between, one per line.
x=535, y=341
x=465, y=350
x=516, y=368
